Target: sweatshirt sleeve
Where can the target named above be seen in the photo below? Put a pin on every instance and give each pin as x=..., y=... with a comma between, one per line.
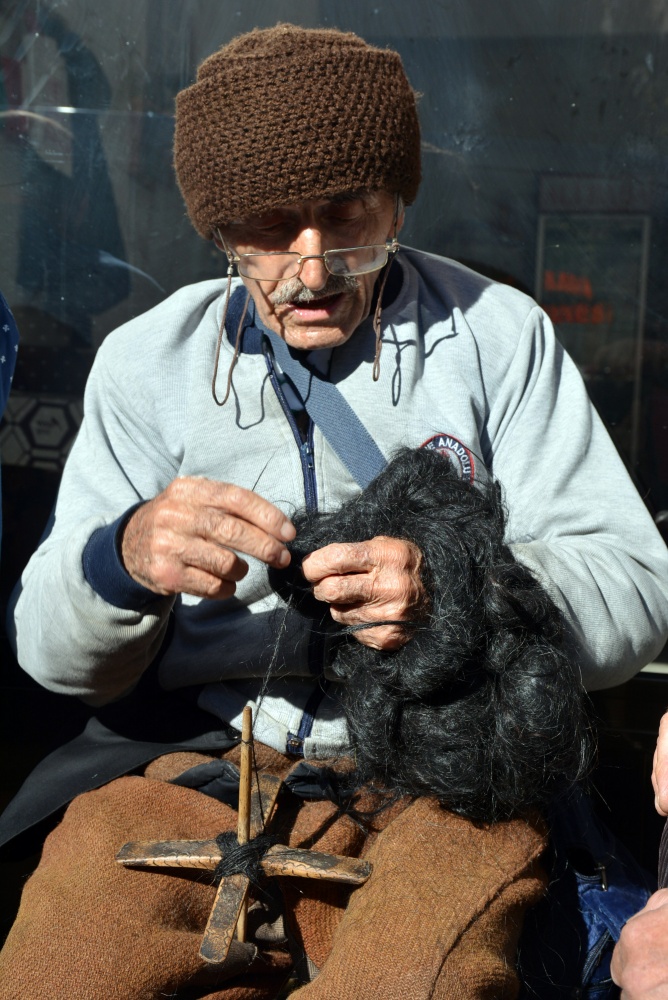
x=89, y=632
x=575, y=518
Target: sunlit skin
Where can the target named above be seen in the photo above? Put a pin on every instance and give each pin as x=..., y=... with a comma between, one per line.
x=311, y=227
x=193, y=537
x=640, y=959
x=660, y=769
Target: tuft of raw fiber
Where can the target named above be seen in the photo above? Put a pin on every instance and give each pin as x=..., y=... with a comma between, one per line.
x=483, y=706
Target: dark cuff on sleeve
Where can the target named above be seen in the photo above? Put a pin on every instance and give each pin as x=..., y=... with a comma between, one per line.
x=106, y=573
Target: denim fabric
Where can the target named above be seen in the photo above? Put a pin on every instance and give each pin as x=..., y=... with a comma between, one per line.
x=596, y=886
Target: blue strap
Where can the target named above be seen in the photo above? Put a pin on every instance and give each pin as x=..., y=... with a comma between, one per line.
x=329, y=411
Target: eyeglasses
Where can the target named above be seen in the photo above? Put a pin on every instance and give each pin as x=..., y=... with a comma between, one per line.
x=280, y=265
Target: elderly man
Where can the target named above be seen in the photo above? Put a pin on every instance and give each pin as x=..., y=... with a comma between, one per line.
x=208, y=422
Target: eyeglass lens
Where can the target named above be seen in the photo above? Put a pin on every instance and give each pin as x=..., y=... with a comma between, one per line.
x=281, y=266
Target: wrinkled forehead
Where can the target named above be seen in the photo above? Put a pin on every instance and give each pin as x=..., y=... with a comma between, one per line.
x=368, y=200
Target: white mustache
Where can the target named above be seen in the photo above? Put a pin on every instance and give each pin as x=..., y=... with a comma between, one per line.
x=295, y=292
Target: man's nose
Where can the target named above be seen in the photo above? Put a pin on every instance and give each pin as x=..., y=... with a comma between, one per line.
x=314, y=274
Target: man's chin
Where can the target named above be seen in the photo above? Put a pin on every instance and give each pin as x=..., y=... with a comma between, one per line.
x=313, y=337
x=318, y=324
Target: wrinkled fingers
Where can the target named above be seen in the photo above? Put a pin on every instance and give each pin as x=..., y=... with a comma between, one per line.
x=198, y=529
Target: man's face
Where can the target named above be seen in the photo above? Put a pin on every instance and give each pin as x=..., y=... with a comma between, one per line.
x=316, y=309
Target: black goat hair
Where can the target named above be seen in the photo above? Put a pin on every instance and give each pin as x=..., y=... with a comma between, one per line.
x=482, y=707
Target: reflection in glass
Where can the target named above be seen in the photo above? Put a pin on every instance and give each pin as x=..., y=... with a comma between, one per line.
x=527, y=110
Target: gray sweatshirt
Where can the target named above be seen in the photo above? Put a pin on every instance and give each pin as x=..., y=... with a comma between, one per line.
x=469, y=365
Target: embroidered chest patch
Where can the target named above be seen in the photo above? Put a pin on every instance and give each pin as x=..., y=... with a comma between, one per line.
x=456, y=452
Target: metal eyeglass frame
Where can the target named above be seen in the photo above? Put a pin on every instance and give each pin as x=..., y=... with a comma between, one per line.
x=390, y=246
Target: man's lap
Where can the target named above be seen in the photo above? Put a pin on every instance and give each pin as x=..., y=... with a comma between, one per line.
x=89, y=928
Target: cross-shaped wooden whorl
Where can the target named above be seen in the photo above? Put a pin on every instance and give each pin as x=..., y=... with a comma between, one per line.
x=256, y=803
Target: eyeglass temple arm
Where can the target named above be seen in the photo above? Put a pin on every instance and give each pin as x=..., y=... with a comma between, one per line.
x=232, y=258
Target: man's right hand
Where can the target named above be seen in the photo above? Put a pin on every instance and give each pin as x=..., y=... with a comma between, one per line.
x=660, y=769
x=186, y=540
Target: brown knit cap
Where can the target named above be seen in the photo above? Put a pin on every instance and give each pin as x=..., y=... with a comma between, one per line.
x=288, y=114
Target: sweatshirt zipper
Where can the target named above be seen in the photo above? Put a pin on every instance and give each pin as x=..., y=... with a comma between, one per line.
x=306, y=454
x=295, y=741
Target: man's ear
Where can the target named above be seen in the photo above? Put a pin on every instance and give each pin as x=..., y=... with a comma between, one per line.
x=399, y=216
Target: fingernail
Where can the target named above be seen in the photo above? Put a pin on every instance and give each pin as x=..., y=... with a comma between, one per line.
x=288, y=531
x=284, y=558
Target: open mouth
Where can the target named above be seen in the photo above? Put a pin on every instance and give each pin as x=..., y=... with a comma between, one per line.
x=316, y=307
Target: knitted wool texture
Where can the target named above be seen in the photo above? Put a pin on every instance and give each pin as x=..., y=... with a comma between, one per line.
x=288, y=114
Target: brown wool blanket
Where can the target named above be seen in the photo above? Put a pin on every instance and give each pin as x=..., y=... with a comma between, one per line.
x=439, y=917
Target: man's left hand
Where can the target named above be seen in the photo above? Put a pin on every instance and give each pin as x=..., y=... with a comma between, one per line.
x=372, y=581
